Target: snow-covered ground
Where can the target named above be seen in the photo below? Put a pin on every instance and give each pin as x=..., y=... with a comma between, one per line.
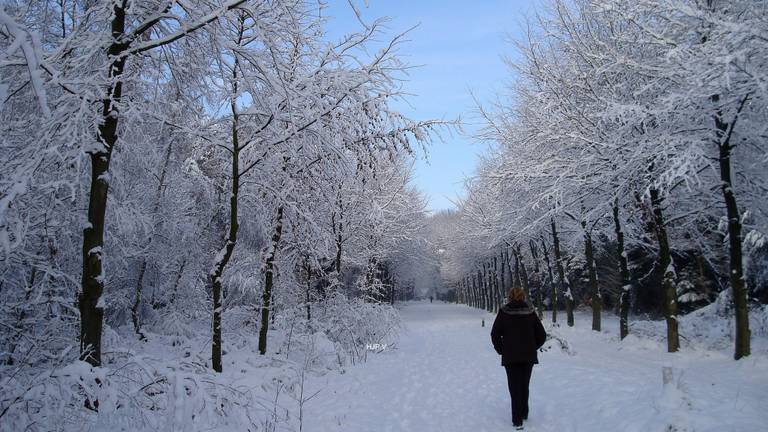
x=444, y=376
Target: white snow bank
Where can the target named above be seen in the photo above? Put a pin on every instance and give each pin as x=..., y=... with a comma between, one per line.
x=711, y=328
x=166, y=383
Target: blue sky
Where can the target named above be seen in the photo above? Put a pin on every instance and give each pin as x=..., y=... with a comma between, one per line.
x=459, y=45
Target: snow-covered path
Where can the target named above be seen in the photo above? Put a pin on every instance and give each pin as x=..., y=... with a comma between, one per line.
x=444, y=376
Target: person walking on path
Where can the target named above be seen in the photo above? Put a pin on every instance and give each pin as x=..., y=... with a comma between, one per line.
x=517, y=334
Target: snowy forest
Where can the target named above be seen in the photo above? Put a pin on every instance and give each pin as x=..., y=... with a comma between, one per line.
x=629, y=170
x=208, y=214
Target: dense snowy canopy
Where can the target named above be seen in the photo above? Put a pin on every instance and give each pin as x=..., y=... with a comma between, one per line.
x=207, y=207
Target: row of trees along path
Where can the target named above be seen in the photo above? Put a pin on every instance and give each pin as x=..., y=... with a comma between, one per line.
x=624, y=139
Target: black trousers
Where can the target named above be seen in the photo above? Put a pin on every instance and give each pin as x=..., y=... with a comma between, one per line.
x=518, y=378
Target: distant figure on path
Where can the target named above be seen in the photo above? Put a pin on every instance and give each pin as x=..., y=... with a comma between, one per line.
x=430, y=299
x=517, y=334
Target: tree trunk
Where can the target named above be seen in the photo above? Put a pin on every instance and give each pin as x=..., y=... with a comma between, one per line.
x=480, y=288
x=471, y=282
x=465, y=290
x=477, y=290
x=626, y=284
x=596, y=299
x=564, y=285
x=489, y=284
x=536, y=280
x=339, y=234
x=551, y=280
x=667, y=266
x=269, y=281
x=136, y=307
x=472, y=288
x=491, y=288
x=179, y=274
x=523, y=275
x=736, y=265
x=487, y=288
x=224, y=255
x=496, y=284
x=503, y=279
x=92, y=284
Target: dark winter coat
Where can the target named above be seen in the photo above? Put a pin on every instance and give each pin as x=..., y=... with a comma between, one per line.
x=517, y=334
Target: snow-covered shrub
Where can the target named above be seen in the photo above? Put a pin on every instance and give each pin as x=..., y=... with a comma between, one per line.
x=145, y=393
x=555, y=340
x=354, y=323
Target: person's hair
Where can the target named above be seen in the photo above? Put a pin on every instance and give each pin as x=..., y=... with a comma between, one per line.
x=516, y=294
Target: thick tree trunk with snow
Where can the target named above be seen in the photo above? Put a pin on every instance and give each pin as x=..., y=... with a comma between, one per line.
x=564, y=286
x=596, y=299
x=736, y=264
x=269, y=270
x=626, y=284
x=668, y=278
x=92, y=284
